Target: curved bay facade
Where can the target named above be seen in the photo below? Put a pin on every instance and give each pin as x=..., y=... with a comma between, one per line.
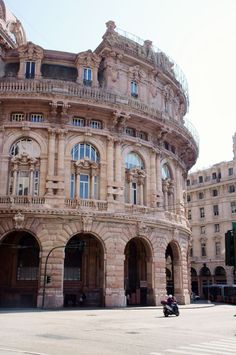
x=94, y=154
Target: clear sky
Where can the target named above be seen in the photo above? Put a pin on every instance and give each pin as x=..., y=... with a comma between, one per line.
x=200, y=35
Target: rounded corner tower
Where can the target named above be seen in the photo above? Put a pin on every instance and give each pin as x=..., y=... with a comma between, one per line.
x=94, y=154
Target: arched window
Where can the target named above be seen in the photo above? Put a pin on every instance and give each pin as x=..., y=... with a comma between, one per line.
x=24, y=172
x=133, y=160
x=84, y=150
x=84, y=171
x=135, y=179
x=165, y=172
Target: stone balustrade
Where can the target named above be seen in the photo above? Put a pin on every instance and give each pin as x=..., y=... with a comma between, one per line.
x=33, y=87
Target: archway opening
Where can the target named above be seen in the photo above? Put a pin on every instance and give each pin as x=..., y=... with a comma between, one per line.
x=194, y=281
x=220, y=276
x=19, y=270
x=83, y=272
x=205, y=281
x=173, y=269
x=138, y=273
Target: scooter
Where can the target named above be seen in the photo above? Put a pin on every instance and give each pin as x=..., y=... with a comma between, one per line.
x=169, y=310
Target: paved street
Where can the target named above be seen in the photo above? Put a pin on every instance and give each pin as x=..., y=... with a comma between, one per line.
x=132, y=331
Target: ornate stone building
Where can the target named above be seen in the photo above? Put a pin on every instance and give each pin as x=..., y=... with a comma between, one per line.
x=211, y=196
x=94, y=154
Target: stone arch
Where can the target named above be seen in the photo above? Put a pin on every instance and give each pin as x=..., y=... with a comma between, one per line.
x=21, y=135
x=194, y=281
x=173, y=256
x=19, y=269
x=138, y=271
x=84, y=271
x=127, y=149
x=220, y=275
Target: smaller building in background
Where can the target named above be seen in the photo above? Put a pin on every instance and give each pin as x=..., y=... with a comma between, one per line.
x=211, y=197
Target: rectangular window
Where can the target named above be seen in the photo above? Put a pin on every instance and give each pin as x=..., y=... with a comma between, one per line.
x=95, y=124
x=130, y=131
x=87, y=76
x=189, y=215
x=17, y=117
x=84, y=186
x=23, y=183
x=191, y=252
x=203, y=249
x=202, y=212
x=200, y=179
x=134, y=193
x=188, y=182
x=231, y=188
x=36, y=117
x=188, y=198
x=217, y=227
x=134, y=89
x=142, y=135
x=214, y=193
x=78, y=121
x=203, y=229
x=214, y=176
x=201, y=195
x=29, y=70
x=233, y=207
x=216, y=210
x=217, y=248
x=231, y=171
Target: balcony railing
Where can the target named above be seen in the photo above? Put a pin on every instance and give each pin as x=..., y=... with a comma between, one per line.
x=22, y=200
x=86, y=204
x=77, y=91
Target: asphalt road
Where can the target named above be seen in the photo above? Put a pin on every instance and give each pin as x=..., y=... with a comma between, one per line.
x=130, y=331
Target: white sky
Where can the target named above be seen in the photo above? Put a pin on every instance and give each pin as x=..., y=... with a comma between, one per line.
x=200, y=35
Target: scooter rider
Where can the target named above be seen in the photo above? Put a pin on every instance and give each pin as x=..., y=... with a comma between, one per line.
x=170, y=300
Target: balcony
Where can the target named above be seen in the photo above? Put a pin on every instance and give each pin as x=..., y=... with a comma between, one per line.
x=78, y=93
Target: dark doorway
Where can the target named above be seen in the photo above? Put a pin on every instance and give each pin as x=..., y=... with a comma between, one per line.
x=19, y=270
x=83, y=272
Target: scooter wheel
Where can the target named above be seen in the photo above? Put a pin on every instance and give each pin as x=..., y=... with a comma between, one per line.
x=177, y=313
x=166, y=314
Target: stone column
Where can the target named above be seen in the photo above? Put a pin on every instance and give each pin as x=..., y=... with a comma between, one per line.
x=51, y=153
x=21, y=72
x=38, y=69
x=15, y=172
x=118, y=163
x=159, y=275
x=159, y=181
x=165, y=190
x=141, y=193
x=153, y=180
x=61, y=154
x=55, y=269
x=110, y=159
x=51, y=158
x=31, y=181
x=114, y=274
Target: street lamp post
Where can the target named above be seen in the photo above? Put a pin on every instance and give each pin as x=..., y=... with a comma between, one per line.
x=79, y=245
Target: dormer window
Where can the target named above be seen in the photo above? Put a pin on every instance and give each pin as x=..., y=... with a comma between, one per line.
x=87, y=76
x=134, y=89
x=30, y=70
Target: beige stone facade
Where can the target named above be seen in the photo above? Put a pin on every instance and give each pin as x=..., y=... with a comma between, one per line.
x=94, y=154
x=211, y=196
